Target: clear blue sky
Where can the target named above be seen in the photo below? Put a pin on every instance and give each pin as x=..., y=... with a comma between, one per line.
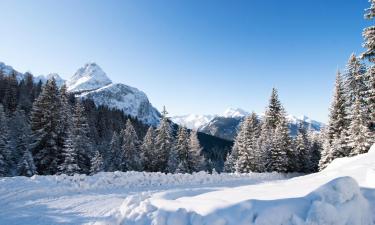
x=194, y=56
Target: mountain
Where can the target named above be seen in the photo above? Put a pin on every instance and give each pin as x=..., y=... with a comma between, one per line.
x=192, y=121
x=87, y=78
x=91, y=82
x=226, y=125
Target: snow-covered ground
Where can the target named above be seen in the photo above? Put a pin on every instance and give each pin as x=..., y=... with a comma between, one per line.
x=344, y=193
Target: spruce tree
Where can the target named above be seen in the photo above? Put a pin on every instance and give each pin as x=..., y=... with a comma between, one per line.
x=369, y=35
x=82, y=144
x=69, y=166
x=163, y=143
x=196, y=159
x=4, y=153
x=45, y=118
x=360, y=134
x=26, y=166
x=278, y=154
x=148, y=149
x=231, y=159
x=355, y=86
x=182, y=149
x=302, y=146
x=369, y=54
x=96, y=163
x=130, y=148
x=336, y=136
x=114, y=163
x=246, y=140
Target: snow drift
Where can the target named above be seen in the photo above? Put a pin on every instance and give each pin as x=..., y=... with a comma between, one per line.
x=342, y=194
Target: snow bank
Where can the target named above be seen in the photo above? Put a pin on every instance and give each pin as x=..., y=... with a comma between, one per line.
x=338, y=202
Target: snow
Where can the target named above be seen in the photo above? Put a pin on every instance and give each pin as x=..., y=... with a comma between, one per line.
x=201, y=122
x=88, y=77
x=235, y=113
x=343, y=193
x=192, y=121
x=129, y=99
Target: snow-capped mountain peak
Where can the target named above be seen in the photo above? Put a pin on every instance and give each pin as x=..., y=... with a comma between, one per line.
x=88, y=77
x=234, y=113
x=192, y=121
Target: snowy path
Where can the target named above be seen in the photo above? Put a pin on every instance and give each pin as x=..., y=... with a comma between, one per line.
x=342, y=194
x=100, y=199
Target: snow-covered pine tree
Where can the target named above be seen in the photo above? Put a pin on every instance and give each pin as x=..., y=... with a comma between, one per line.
x=369, y=54
x=148, y=149
x=22, y=157
x=360, y=134
x=130, y=148
x=279, y=160
x=196, y=159
x=81, y=140
x=96, y=163
x=26, y=166
x=355, y=84
x=163, y=143
x=248, y=152
x=274, y=141
x=369, y=35
x=231, y=159
x=302, y=146
x=335, y=145
x=45, y=118
x=4, y=154
x=69, y=166
x=113, y=163
x=182, y=149
x=65, y=123
x=315, y=140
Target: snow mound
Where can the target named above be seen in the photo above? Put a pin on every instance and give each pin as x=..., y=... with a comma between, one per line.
x=88, y=77
x=338, y=202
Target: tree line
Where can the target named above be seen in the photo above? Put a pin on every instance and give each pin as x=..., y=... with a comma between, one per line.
x=45, y=130
x=351, y=126
x=267, y=146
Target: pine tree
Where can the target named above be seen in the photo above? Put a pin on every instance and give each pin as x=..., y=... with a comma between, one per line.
x=69, y=166
x=115, y=153
x=65, y=123
x=315, y=140
x=182, y=149
x=369, y=35
x=45, y=120
x=336, y=145
x=130, y=148
x=96, y=163
x=195, y=160
x=26, y=166
x=278, y=154
x=163, y=143
x=4, y=153
x=80, y=137
x=369, y=54
x=247, y=145
x=231, y=159
x=147, y=149
x=302, y=146
x=274, y=141
x=355, y=81
x=360, y=135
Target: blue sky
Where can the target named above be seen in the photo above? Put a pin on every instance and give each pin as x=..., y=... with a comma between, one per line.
x=194, y=56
